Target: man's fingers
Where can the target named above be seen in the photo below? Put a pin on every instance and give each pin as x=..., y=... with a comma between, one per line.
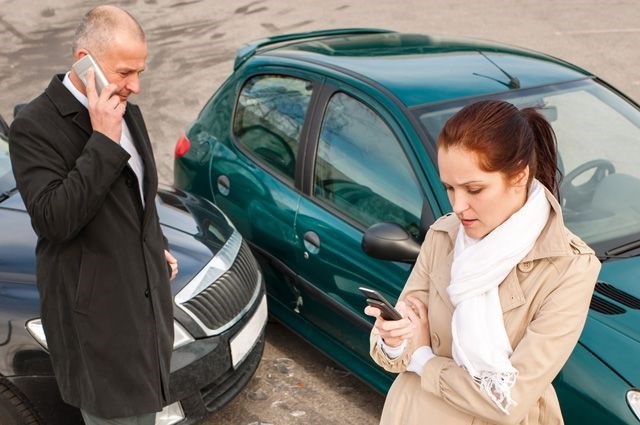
x=109, y=91
x=172, y=262
x=90, y=86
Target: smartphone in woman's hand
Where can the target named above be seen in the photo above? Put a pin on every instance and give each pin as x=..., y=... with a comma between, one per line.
x=375, y=299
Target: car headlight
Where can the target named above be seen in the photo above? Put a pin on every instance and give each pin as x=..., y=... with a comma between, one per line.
x=181, y=336
x=633, y=398
x=37, y=332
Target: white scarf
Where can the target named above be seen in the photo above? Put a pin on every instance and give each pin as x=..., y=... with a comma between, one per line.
x=480, y=341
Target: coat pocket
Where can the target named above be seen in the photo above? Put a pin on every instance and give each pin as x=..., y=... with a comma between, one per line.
x=86, y=283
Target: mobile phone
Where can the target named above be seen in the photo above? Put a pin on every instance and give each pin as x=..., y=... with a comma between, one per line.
x=375, y=299
x=82, y=66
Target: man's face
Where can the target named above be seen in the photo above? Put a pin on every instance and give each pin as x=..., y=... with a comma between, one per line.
x=482, y=200
x=122, y=62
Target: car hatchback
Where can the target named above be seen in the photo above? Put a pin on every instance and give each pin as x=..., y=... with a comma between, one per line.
x=318, y=138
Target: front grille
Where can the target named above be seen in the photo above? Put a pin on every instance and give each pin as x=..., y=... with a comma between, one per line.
x=226, y=298
x=616, y=294
x=603, y=306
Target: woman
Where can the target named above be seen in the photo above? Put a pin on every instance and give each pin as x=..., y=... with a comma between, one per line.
x=501, y=288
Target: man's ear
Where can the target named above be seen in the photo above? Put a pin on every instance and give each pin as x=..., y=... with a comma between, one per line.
x=80, y=53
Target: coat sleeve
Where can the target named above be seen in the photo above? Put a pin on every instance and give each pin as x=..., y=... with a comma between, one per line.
x=61, y=199
x=546, y=345
x=418, y=285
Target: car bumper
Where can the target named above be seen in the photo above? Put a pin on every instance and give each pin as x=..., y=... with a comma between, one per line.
x=206, y=384
x=203, y=377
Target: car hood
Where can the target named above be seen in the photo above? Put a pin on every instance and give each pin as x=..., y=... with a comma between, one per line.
x=612, y=331
x=194, y=227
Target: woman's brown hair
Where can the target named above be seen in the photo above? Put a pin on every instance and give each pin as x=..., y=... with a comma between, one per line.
x=505, y=139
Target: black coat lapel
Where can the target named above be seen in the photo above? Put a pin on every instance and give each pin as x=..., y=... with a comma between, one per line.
x=134, y=120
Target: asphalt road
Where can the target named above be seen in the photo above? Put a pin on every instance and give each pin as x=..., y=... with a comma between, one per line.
x=192, y=45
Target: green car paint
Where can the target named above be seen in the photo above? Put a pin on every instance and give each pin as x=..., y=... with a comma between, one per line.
x=315, y=137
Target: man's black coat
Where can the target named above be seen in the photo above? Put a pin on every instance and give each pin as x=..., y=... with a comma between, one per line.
x=102, y=275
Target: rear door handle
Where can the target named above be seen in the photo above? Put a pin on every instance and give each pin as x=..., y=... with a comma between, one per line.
x=224, y=185
x=311, y=242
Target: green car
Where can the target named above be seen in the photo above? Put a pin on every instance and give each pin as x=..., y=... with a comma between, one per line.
x=321, y=149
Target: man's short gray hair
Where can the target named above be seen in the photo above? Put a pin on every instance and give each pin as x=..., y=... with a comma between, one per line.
x=98, y=26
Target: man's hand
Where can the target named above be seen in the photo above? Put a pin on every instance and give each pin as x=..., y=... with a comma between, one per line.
x=172, y=263
x=106, y=110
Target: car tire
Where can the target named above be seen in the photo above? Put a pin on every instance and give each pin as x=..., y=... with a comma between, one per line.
x=14, y=411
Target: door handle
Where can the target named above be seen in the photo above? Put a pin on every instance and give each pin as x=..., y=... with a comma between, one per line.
x=311, y=242
x=224, y=185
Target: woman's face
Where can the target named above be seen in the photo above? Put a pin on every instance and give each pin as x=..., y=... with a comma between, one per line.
x=482, y=200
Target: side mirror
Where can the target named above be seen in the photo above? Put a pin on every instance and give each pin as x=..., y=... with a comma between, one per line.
x=389, y=241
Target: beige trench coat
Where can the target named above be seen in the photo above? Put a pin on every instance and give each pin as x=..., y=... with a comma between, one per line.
x=544, y=299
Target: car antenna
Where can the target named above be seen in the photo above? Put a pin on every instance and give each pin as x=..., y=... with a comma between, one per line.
x=513, y=83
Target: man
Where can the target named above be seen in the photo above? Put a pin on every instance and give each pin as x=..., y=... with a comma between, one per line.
x=84, y=167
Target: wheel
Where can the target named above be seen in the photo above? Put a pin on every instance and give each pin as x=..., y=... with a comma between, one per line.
x=13, y=411
x=576, y=197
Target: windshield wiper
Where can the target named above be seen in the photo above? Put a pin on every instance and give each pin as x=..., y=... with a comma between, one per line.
x=513, y=83
x=6, y=194
x=622, y=249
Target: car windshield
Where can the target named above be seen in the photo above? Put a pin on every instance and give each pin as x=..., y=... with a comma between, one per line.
x=7, y=183
x=598, y=135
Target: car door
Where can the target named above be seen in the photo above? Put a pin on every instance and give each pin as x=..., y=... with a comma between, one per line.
x=358, y=174
x=256, y=182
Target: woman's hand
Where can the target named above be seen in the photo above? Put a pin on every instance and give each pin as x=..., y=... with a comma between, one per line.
x=417, y=315
x=393, y=332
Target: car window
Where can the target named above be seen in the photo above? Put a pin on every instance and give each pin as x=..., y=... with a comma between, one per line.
x=269, y=118
x=361, y=169
x=598, y=136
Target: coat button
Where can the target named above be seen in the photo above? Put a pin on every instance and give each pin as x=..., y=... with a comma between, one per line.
x=147, y=292
x=525, y=266
x=435, y=340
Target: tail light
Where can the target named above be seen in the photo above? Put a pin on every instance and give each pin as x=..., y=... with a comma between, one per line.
x=182, y=146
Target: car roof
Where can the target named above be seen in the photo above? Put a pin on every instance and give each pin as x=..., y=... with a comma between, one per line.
x=420, y=69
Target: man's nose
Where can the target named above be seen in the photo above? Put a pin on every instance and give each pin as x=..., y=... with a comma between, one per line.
x=133, y=84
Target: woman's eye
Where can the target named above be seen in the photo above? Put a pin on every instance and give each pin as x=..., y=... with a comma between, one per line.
x=474, y=191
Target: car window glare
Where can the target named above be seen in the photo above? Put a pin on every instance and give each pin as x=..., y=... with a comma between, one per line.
x=269, y=117
x=361, y=170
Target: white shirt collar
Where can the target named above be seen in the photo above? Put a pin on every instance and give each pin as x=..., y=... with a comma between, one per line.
x=74, y=91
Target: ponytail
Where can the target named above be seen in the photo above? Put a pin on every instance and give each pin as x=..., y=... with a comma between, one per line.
x=506, y=139
x=546, y=150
